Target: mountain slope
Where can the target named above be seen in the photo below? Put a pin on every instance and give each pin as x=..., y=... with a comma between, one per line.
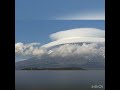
x=57, y=63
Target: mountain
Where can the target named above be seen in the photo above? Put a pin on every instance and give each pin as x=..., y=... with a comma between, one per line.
x=58, y=62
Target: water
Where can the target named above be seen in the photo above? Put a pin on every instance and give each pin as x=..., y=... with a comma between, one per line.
x=60, y=80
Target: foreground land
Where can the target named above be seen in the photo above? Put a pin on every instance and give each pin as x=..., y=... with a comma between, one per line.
x=73, y=68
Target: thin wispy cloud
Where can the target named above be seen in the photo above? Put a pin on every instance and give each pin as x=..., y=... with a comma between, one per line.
x=82, y=16
x=27, y=10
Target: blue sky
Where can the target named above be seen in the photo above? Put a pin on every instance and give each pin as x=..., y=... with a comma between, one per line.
x=27, y=10
x=37, y=19
x=39, y=31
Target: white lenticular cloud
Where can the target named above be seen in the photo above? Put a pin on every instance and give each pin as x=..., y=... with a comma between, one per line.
x=77, y=35
x=78, y=32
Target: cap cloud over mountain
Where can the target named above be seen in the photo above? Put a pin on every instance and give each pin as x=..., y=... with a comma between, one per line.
x=74, y=47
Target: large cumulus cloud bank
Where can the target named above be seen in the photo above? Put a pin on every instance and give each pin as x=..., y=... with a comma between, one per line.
x=92, y=51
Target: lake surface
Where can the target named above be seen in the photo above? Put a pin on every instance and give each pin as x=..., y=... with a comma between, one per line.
x=60, y=80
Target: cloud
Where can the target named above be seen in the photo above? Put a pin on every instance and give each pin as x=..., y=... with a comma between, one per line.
x=83, y=16
x=81, y=43
x=94, y=52
x=62, y=50
x=77, y=35
x=28, y=49
x=78, y=32
x=71, y=49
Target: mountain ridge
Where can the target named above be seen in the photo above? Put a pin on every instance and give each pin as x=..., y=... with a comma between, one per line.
x=35, y=62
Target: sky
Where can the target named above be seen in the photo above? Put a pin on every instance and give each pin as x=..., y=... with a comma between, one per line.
x=39, y=31
x=27, y=10
x=36, y=20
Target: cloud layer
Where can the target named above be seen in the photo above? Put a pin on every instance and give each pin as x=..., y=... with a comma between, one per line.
x=93, y=51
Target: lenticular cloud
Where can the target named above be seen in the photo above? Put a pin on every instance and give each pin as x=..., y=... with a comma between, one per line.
x=81, y=43
x=78, y=32
x=78, y=35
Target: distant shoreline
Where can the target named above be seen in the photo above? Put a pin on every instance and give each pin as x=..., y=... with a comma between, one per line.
x=53, y=68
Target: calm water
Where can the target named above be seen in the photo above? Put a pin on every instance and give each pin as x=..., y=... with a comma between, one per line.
x=60, y=80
